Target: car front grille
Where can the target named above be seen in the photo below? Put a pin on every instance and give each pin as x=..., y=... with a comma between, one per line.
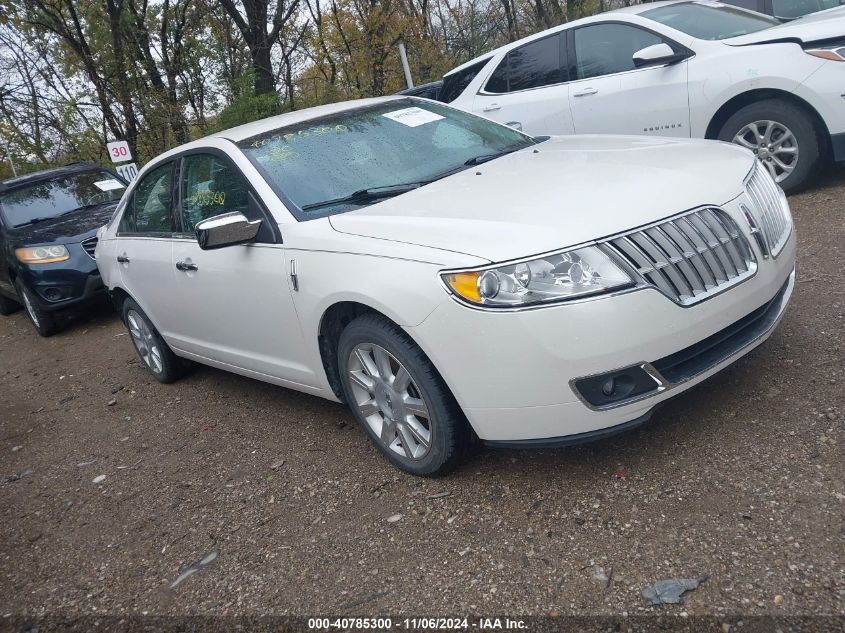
x=769, y=215
x=689, y=257
x=89, y=245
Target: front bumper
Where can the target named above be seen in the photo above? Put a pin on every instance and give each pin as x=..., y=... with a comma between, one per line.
x=64, y=284
x=513, y=373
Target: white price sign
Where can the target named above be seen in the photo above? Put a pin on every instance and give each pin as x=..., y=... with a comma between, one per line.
x=128, y=172
x=119, y=151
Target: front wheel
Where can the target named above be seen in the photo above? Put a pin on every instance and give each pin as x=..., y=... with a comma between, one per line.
x=45, y=323
x=782, y=137
x=399, y=398
x=156, y=355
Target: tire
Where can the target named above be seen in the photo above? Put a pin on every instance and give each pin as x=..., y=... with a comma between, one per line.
x=8, y=306
x=448, y=435
x=153, y=352
x=45, y=323
x=803, y=149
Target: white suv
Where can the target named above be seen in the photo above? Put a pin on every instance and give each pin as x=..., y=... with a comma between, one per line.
x=443, y=274
x=699, y=69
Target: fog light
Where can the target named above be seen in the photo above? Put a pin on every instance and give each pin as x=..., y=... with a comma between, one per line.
x=616, y=387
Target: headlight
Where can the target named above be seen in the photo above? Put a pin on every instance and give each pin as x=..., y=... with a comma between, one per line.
x=834, y=52
x=556, y=277
x=42, y=254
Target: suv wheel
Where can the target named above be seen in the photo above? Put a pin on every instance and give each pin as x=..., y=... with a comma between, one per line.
x=781, y=135
x=399, y=398
x=156, y=355
x=8, y=306
x=45, y=323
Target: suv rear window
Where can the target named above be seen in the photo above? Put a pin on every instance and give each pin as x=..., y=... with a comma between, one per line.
x=531, y=66
x=456, y=83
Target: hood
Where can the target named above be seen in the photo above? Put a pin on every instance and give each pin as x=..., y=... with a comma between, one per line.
x=824, y=25
x=67, y=229
x=573, y=190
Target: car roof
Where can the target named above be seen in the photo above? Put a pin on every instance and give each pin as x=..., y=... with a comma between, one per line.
x=631, y=10
x=241, y=132
x=636, y=9
x=47, y=174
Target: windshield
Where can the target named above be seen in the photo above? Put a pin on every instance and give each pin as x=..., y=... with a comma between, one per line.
x=346, y=160
x=52, y=198
x=710, y=21
x=791, y=9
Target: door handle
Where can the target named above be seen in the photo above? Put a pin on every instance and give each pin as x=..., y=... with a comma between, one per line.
x=185, y=266
x=492, y=107
x=122, y=259
x=585, y=92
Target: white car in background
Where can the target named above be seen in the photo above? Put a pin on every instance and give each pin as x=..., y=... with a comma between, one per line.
x=443, y=274
x=688, y=68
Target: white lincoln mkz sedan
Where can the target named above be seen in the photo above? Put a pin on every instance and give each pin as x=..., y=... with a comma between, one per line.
x=449, y=277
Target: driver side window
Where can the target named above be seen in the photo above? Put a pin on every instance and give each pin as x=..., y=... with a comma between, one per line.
x=149, y=210
x=605, y=49
x=210, y=187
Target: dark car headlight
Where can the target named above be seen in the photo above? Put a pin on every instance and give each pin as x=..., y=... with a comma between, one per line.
x=42, y=254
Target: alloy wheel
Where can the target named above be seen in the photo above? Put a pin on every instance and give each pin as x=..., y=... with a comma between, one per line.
x=145, y=341
x=390, y=401
x=773, y=143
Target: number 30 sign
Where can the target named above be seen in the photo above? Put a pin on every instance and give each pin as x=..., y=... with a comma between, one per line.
x=119, y=151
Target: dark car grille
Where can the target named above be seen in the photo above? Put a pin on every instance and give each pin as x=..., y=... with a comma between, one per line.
x=89, y=245
x=689, y=257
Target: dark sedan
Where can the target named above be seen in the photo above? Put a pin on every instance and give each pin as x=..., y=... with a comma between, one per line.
x=48, y=231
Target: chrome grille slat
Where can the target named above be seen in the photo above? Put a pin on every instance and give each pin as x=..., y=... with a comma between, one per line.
x=688, y=270
x=704, y=251
x=645, y=266
x=734, y=245
x=770, y=215
x=689, y=257
x=716, y=245
x=671, y=270
x=89, y=245
x=692, y=255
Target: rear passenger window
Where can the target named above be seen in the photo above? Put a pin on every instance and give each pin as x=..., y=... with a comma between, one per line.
x=456, y=83
x=150, y=210
x=531, y=66
x=605, y=49
x=210, y=186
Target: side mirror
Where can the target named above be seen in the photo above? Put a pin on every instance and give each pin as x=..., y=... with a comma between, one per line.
x=227, y=229
x=657, y=54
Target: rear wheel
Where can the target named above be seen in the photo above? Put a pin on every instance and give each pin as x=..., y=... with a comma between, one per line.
x=45, y=323
x=782, y=137
x=156, y=355
x=399, y=399
x=8, y=306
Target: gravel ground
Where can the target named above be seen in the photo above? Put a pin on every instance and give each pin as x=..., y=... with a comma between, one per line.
x=113, y=485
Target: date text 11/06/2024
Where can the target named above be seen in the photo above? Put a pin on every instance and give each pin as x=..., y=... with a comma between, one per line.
x=441, y=624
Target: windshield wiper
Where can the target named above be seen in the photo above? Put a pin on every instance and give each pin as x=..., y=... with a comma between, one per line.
x=483, y=158
x=371, y=194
